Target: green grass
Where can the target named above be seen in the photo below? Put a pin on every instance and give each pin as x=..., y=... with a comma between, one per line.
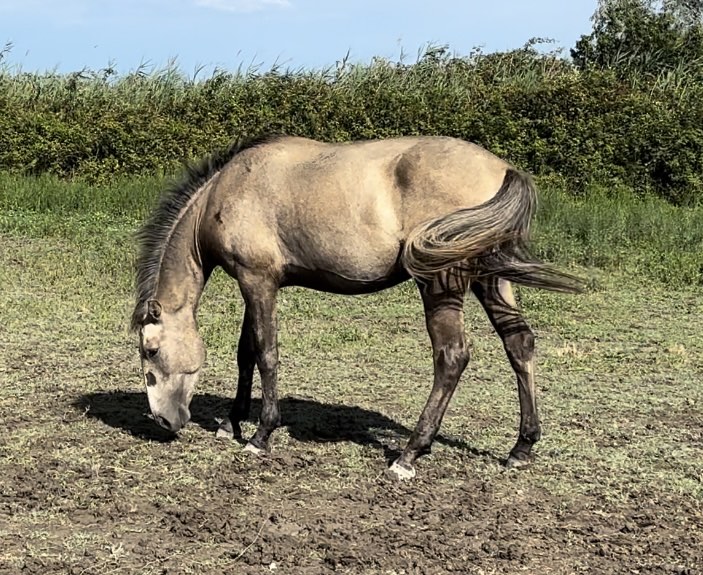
x=51, y=195
x=617, y=484
x=618, y=231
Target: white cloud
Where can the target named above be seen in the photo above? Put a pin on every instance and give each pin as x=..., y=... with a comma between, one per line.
x=243, y=5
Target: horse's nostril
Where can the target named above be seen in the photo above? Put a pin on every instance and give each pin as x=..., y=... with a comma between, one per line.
x=150, y=380
x=163, y=422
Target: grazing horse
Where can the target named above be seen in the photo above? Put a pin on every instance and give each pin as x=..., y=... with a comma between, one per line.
x=346, y=218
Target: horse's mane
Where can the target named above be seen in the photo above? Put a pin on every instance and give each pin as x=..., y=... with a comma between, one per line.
x=154, y=236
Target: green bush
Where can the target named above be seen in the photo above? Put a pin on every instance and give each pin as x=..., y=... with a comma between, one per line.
x=537, y=110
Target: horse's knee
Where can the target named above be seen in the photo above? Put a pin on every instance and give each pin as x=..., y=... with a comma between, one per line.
x=267, y=361
x=521, y=344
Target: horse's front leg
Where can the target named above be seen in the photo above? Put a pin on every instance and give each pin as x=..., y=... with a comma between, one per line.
x=259, y=295
x=246, y=361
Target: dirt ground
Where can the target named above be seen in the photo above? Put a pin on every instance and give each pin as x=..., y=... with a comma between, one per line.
x=293, y=513
x=89, y=485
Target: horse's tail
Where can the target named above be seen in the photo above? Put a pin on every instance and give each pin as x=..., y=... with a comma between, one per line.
x=489, y=240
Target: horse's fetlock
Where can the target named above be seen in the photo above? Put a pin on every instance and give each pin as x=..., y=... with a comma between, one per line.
x=531, y=436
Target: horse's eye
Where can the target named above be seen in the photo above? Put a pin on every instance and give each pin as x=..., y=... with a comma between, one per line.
x=150, y=380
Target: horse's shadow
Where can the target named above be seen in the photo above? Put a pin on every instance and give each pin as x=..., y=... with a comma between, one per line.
x=305, y=419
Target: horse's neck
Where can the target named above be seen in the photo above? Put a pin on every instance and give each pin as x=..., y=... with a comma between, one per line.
x=182, y=277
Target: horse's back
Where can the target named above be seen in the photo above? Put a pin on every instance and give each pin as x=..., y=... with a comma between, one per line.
x=416, y=177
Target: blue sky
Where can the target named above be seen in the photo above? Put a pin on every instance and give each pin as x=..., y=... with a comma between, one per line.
x=68, y=35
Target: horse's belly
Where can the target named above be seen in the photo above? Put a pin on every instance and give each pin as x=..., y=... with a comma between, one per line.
x=330, y=281
x=347, y=266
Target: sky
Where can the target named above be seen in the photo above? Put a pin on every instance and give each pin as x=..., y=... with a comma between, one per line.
x=70, y=35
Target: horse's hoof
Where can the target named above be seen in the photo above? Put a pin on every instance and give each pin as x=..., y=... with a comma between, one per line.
x=251, y=448
x=225, y=431
x=515, y=463
x=401, y=472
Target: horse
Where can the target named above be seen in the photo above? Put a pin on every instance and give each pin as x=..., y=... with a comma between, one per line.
x=346, y=218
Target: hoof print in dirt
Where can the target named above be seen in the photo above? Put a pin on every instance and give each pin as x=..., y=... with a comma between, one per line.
x=400, y=472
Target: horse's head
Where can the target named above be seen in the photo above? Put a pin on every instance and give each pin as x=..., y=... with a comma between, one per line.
x=172, y=354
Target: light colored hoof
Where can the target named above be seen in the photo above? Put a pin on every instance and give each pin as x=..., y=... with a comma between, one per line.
x=401, y=473
x=224, y=433
x=253, y=449
x=515, y=463
x=225, y=430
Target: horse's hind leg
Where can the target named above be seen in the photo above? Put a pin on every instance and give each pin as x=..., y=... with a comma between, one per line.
x=246, y=361
x=443, y=300
x=519, y=343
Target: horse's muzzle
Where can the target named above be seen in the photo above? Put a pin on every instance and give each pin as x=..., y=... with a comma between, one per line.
x=173, y=422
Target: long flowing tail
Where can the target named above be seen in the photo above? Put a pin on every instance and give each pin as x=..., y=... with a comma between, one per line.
x=489, y=240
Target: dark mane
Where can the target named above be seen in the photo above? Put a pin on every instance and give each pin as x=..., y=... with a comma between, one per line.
x=154, y=235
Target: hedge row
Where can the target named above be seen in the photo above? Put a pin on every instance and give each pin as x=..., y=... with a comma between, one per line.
x=537, y=110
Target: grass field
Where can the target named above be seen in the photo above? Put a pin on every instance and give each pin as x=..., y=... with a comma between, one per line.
x=91, y=486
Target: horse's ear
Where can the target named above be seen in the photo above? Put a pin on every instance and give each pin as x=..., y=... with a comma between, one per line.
x=153, y=310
